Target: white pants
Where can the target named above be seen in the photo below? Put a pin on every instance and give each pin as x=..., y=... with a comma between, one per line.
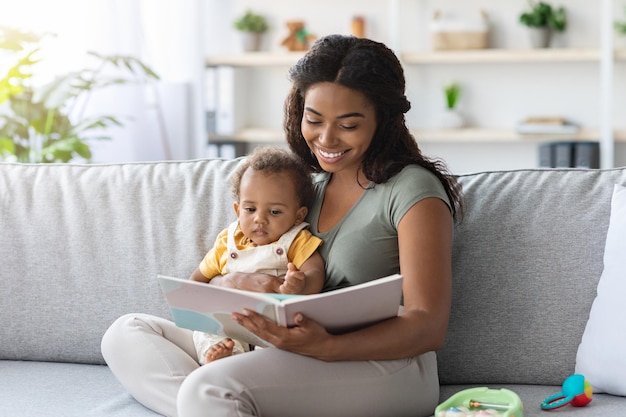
x=156, y=361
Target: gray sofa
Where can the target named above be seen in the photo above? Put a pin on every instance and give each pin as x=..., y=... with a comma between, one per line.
x=81, y=245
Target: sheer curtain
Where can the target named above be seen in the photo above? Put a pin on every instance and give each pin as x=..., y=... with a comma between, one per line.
x=162, y=120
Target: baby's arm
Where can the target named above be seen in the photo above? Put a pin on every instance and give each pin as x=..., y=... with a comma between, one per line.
x=309, y=279
x=198, y=276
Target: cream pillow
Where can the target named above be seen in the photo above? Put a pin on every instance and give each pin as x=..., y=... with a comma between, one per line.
x=601, y=356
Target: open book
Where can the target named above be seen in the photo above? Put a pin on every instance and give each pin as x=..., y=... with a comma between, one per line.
x=207, y=308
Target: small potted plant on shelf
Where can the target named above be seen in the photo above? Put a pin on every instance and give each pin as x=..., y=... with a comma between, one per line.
x=452, y=119
x=542, y=19
x=252, y=26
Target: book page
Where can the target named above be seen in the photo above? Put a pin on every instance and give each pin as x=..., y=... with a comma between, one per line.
x=207, y=308
x=348, y=308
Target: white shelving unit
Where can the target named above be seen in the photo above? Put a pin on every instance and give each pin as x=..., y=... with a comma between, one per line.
x=604, y=56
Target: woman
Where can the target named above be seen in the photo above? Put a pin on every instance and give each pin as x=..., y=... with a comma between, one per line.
x=381, y=208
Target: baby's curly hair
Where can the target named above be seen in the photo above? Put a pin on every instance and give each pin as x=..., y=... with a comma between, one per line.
x=273, y=160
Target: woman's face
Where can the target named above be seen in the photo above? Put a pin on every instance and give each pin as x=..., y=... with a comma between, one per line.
x=338, y=125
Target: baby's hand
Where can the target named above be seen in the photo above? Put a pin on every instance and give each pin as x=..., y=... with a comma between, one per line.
x=294, y=281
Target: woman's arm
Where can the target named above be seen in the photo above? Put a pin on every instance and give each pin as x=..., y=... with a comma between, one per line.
x=425, y=245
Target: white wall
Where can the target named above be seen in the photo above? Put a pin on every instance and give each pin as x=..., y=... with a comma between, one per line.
x=494, y=96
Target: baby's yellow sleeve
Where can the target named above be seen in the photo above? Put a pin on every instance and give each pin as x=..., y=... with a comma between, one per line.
x=302, y=247
x=214, y=261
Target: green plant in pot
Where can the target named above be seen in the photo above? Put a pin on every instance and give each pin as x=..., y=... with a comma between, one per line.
x=543, y=19
x=45, y=123
x=452, y=118
x=252, y=26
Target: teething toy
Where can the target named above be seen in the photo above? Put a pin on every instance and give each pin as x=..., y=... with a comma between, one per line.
x=576, y=391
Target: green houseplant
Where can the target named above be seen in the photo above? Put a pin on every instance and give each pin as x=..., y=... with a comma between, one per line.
x=45, y=122
x=251, y=22
x=452, y=91
x=252, y=26
x=543, y=19
x=452, y=118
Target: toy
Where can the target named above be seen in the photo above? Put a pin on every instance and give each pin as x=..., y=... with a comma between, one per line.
x=298, y=38
x=576, y=391
x=481, y=402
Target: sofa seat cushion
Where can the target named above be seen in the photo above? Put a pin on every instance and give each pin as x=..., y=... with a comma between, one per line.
x=601, y=405
x=47, y=389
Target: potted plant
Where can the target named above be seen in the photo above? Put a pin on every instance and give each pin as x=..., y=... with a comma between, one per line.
x=543, y=19
x=44, y=122
x=451, y=117
x=252, y=26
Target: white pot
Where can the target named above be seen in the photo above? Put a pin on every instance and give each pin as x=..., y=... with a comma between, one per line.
x=452, y=119
x=540, y=37
x=251, y=41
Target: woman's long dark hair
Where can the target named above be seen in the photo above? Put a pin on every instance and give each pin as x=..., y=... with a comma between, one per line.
x=374, y=70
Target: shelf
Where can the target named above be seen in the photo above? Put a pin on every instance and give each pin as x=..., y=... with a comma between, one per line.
x=551, y=55
x=470, y=135
x=255, y=59
x=503, y=56
x=252, y=135
x=497, y=135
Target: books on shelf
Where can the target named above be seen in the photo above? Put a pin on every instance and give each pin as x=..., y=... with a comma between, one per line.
x=546, y=125
x=569, y=155
x=208, y=308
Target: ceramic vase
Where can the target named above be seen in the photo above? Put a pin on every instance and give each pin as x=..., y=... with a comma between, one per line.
x=452, y=119
x=540, y=37
x=251, y=41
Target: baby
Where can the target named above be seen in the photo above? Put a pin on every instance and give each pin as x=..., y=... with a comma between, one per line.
x=272, y=190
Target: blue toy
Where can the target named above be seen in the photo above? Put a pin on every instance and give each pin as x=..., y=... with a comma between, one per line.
x=576, y=391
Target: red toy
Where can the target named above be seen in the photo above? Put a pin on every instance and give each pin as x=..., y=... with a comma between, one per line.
x=576, y=391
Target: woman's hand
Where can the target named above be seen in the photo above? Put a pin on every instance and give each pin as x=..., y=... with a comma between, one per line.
x=306, y=338
x=249, y=281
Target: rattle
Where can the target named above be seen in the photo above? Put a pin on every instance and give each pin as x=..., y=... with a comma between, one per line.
x=576, y=391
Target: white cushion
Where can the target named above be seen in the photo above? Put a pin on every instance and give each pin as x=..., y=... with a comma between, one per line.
x=601, y=356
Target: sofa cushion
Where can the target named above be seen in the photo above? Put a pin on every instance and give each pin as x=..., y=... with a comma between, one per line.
x=44, y=389
x=526, y=263
x=88, y=241
x=601, y=356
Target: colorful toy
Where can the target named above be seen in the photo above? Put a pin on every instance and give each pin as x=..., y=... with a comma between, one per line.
x=481, y=402
x=576, y=391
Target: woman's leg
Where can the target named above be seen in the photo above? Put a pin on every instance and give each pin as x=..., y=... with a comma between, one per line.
x=151, y=357
x=276, y=383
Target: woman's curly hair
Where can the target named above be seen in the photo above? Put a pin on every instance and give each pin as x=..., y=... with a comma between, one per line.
x=374, y=70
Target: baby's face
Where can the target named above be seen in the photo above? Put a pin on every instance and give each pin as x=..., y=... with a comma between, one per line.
x=267, y=206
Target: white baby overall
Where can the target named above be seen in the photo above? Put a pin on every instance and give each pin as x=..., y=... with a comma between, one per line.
x=268, y=259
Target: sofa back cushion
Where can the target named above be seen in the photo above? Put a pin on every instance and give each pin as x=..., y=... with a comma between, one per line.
x=82, y=245
x=527, y=259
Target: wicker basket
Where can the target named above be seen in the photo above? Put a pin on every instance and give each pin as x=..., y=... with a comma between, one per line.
x=459, y=40
x=452, y=31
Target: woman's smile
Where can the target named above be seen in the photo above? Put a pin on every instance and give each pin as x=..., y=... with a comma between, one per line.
x=330, y=156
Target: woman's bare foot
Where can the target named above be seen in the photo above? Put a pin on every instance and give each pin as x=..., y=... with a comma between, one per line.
x=220, y=350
